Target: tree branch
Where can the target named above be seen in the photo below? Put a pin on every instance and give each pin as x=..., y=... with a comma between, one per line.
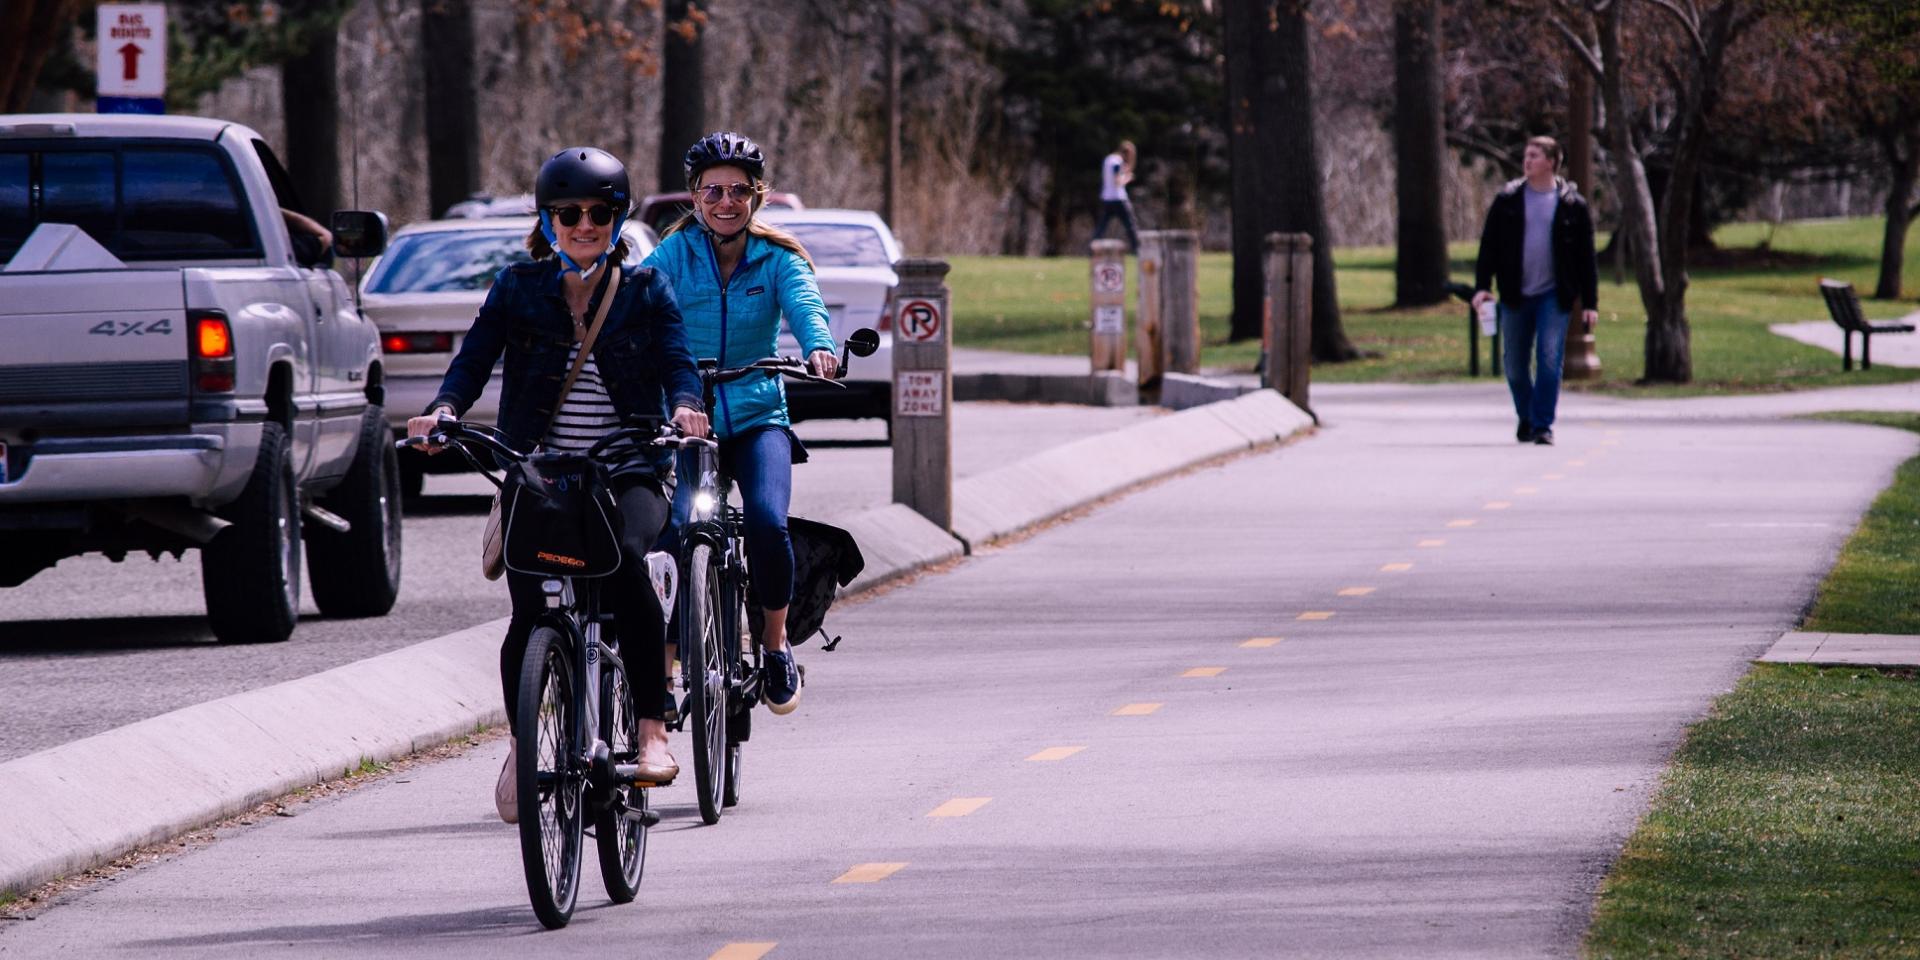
x=1587, y=56
x=1690, y=22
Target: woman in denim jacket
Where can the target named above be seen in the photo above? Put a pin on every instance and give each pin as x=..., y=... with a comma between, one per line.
x=537, y=314
x=734, y=278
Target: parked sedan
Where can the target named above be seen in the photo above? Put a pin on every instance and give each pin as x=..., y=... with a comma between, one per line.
x=853, y=255
x=423, y=293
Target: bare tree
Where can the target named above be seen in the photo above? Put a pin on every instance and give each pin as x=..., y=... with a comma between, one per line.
x=453, y=122
x=1419, y=113
x=683, y=105
x=1659, y=234
x=29, y=31
x=310, y=101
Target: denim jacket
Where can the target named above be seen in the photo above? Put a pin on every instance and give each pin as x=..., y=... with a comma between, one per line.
x=641, y=351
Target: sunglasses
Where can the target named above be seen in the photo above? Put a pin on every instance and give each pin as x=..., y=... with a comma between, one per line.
x=570, y=215
x=740, y=192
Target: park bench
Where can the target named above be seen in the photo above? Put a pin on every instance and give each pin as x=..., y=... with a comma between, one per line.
x=1844, y=306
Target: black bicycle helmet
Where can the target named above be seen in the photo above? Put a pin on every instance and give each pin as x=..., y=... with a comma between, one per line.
x=725, y=148
x=583, y=172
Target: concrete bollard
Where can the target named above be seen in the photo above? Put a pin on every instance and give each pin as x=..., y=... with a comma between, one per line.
x=1288, y=337
x=1109, y=275
x=1583, y=353
x=923, y=391
x=1169, y=297
x=1180, y=301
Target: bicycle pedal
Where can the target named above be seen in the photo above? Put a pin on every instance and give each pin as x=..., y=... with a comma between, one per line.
x=648, y=818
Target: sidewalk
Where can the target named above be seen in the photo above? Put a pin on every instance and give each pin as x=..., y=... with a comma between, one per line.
x=1892, y=349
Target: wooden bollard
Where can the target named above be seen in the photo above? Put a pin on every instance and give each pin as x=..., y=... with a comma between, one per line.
x=923, y=391
x=1583, y=353
x=1180, y=301
x=1109, y=276
x=1288, y=337
x=1149, y=338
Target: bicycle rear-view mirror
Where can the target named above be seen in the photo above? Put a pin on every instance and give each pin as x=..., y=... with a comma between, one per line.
x=863, y=342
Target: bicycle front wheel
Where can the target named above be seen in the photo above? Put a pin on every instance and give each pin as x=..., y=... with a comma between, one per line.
x=549, y=781
x=707, y=681
x=619, y=828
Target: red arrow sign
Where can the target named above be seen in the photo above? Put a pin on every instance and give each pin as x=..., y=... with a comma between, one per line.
x=130, y=55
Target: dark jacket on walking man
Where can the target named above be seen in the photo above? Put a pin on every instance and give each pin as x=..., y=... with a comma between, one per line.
x=1538, y=245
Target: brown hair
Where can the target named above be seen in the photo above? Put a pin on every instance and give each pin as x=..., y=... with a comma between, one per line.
x=1550, y=148
x=538, y=246
x=765, y=231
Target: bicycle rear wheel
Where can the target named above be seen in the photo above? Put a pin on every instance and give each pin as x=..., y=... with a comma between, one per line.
x=618, y=828
x=550, y=783
x=707, y=680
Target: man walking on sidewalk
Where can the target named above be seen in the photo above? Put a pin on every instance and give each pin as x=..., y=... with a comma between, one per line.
x=1538, y=241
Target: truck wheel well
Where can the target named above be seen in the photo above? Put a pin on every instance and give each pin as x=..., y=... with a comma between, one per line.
x=280, y=395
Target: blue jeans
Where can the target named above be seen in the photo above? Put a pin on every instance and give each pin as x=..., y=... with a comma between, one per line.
x=761, y=464
x=1538, y=327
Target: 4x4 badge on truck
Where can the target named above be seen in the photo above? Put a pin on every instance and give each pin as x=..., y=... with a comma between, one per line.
x=131, y=328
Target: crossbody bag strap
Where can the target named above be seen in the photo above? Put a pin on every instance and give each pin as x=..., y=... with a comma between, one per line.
x=609, y=287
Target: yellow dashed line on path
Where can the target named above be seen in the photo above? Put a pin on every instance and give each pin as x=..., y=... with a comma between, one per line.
x=1499, y=504
x=960, y=806
x=1316, y=615
x=1576, y=463
x=1054, y=753
x=1614, y=433
x=1553, y=476
x=1137, y=709
x=1431, y=543
x=869, y=873
x=1356, y=591
x=1396, y=568
x=1610, y=442
x=1205, y=672
x=743, y=951
x=1457, y=524
x=1258, y=642
x=1526, y=491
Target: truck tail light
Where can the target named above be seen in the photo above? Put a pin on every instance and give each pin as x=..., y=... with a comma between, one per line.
x=213, y=362
x=417, y=343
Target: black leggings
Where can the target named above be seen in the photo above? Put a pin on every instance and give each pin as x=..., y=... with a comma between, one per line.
x=640, y=634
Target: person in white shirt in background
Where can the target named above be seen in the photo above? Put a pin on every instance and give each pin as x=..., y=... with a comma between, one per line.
x=1116, y=171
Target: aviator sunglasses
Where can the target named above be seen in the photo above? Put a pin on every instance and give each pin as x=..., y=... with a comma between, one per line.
x=570, y=215
x=740, y=192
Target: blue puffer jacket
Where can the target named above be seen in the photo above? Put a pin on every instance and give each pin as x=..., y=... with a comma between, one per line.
x=739, y=321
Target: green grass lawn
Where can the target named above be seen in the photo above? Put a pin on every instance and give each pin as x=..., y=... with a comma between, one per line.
x=1789, y=823
x=1041, y=305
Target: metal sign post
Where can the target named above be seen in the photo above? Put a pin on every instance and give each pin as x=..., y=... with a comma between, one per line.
x=1109, y=342
x=131, y=62
x=923, y=391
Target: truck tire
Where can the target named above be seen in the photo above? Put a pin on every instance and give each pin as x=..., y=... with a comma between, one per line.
x=357, y=573
x=250, y=572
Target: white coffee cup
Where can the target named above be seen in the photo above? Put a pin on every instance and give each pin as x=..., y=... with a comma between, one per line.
x=1488, y=318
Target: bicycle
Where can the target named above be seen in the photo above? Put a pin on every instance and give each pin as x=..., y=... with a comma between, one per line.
x=722, y=675
x=573, y=688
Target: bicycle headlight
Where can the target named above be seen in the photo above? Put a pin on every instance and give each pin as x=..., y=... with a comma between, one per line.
x=703, y=504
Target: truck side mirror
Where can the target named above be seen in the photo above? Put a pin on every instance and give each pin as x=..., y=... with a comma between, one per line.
x=359, y=233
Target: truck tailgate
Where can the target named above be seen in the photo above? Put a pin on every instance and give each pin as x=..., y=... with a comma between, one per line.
x=93, y=349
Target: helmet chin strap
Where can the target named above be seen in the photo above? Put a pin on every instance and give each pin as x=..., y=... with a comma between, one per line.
x=570, y=265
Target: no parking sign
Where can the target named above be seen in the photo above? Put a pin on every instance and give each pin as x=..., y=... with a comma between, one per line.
x=920, y=320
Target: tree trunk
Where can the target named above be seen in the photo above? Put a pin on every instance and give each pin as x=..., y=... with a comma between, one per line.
x=452, y=112
x=30, y=30
x=1903, y=169
x=1283, y=108
x=1420, y=260
x=683, y=91
x=1636, y=198
x=310, y=101
x=890, y=169
x=1579, y=141
x=1251, y=189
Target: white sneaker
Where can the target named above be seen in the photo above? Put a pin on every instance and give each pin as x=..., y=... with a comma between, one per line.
x=506, y=797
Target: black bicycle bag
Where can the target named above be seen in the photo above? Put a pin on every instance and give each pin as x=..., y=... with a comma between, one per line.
x=560, y=517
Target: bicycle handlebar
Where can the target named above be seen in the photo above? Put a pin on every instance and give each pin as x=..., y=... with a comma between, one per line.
x=771, y=366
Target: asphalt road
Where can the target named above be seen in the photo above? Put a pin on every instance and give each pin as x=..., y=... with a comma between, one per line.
x=1400, y=690
x=91, y=645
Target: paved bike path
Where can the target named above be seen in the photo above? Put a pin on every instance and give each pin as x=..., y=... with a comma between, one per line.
x=1435, y=760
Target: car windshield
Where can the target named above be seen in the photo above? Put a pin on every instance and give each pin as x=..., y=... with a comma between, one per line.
x=841, y=244
x=447, y=261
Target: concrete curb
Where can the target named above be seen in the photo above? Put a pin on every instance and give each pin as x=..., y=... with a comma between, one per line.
x=1182, y=391
x=83, y=803
x=1845, y=650
x=1108, y=389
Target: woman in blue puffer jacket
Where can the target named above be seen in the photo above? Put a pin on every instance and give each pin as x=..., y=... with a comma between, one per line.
x=734, y=277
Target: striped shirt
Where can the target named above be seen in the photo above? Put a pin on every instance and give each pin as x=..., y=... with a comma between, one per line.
x=586, y=415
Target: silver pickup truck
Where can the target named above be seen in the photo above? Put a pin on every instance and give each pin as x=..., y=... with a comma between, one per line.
x=179, y=370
